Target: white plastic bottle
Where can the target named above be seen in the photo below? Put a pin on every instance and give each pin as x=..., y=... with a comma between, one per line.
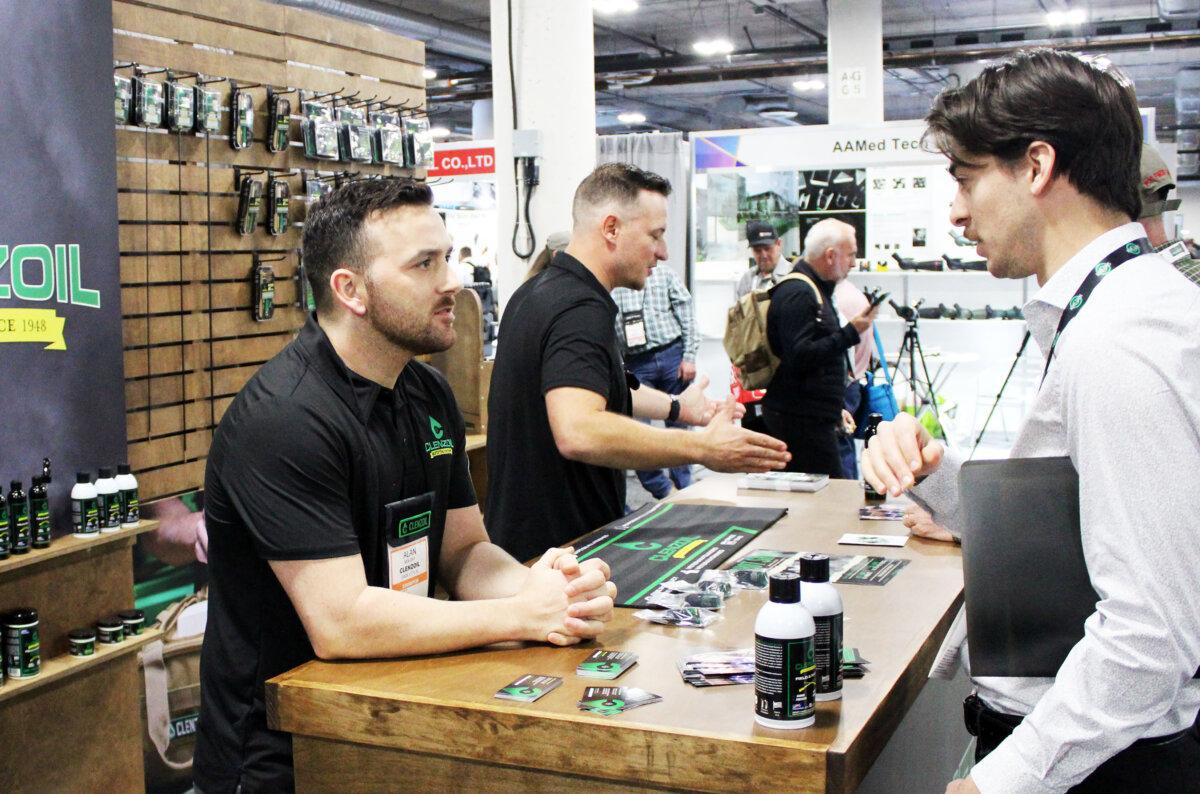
x=824, y=603
x=784, y=663
x=127, y=484
x=85, y=515
x=109, y=498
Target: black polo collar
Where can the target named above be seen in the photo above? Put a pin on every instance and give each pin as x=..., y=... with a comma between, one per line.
x=565, y=261
x=351, y=388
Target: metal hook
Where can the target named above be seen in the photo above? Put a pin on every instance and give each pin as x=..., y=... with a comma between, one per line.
x=201, y=81
x=244, y=86
x=273, y=91
x=258, y=260
x=142, y=73
x=117, y=66
x=172, y=75
x=240, y=171
x=367, y=101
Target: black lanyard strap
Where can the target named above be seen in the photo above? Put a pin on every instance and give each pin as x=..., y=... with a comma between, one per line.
x=1115, y=259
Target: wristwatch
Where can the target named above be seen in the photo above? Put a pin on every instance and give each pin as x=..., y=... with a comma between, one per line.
x=673, y=414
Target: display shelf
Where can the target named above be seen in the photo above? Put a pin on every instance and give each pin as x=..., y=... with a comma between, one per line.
x=943, y=320
x=72, y=544
x=476, y=441
x=63, y=666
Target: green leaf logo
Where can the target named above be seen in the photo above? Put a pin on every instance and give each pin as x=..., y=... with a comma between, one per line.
x=1133, y=248
x=1103, y=268
x=1076, y=302
x=436, y=427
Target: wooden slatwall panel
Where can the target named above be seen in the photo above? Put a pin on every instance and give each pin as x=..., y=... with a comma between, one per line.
x=189, y=339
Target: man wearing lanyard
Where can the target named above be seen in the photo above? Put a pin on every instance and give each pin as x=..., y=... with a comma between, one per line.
x=657, y=329
x=1045, y=149
x=338, y=495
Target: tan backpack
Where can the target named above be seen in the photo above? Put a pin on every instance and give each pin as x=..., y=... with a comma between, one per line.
x=746, y=334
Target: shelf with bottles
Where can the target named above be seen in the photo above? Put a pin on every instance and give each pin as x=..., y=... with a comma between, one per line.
x=74, y=544
x=61, y=666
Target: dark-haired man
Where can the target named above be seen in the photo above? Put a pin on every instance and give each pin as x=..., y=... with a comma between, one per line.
x=1045, y=149
x=338, y=495
x=560, y=431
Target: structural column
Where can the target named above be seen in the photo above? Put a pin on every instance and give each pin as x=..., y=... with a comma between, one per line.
x=855, y=62
x=553, y=63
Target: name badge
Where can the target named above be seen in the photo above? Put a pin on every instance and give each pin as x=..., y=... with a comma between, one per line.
x=409, y=523
x=635, y=328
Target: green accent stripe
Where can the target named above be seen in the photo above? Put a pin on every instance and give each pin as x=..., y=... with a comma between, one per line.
x=638, y=525
x=689, y=558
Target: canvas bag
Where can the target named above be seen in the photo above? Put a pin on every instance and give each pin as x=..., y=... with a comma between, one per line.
x=171, y=671
x=746, y=334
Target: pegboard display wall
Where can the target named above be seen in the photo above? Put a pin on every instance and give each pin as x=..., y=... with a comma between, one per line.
x=190, y=338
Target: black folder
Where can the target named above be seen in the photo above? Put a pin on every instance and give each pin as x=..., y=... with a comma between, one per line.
x=1027, y=587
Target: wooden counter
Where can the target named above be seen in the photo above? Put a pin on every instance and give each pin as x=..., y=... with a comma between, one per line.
x=431, y=722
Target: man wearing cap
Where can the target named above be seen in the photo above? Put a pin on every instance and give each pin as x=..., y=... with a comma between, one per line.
x=770, y=266
x=1155, y=186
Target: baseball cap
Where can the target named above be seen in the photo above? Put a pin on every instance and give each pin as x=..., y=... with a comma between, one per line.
x=760, y=233
x=1156, y=183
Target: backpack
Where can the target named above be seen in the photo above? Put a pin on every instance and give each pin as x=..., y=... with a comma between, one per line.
x=746, y=334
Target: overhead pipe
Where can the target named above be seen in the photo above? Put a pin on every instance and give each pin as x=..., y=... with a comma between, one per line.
x=439, y=36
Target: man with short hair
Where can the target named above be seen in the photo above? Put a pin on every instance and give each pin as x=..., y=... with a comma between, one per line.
x=656, y=326
x=766, y=246
x=1045, y=147
x=338, y=497
x=560, y=432
x=804, y=402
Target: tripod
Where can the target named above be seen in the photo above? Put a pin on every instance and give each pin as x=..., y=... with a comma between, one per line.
x=999, y=394
x=910, y=347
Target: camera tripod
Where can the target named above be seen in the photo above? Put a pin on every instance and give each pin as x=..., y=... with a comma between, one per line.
x=999, y=394
x=910, y=349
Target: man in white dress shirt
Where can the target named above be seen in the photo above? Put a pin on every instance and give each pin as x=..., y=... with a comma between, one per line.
x=1045, y=149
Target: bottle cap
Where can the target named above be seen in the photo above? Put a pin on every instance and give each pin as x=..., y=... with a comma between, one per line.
x=785, y=588
x=123, y=468
x=106, y=473
x=814, y=568
x=110, y=622
x=83, y=478
x=132, y=614
x=36, y=481
x=83, y=635
x=14, y=485
x=21, y=616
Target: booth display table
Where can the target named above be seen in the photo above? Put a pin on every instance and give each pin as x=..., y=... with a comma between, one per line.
x=431, y=722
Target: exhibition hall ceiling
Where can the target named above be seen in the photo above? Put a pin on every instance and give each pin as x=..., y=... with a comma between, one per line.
x=645, y=61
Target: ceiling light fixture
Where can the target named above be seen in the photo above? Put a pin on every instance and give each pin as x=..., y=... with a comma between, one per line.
x=1073, y=17
x=808, y=85
x=631, y=117
x=439, y=132
x=713, y=47
x=614, y=6
x=430, y=74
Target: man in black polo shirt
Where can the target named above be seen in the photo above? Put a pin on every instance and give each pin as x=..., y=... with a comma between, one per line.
x=803, y=406
x=559, y=427
x=338, y=494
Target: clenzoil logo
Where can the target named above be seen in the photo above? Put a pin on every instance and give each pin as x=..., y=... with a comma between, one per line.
x=1076, y=302
x=36, y=275
x=1103, y=268
x=440, y=445
x=1133, y=248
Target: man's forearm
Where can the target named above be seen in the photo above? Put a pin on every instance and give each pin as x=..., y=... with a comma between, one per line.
x=484, y=570
x=602, y=438
x=650, y=403
x=388, y=623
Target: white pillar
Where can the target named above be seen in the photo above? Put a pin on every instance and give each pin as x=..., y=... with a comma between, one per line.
x=855, y=62
x=556, y=94
x=482, y=122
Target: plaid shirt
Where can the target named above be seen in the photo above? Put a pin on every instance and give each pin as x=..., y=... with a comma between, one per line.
x=668, y=309
x=1181, y=259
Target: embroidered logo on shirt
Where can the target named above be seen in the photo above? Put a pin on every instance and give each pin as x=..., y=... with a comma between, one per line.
x=440, y=445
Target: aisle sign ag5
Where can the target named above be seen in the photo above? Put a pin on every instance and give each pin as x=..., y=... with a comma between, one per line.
x=463, y=162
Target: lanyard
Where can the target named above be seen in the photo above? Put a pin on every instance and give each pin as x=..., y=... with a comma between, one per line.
x=1114, y=260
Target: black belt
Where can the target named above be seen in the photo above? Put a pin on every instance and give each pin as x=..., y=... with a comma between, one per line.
x=656, y=349
x=992, y=727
